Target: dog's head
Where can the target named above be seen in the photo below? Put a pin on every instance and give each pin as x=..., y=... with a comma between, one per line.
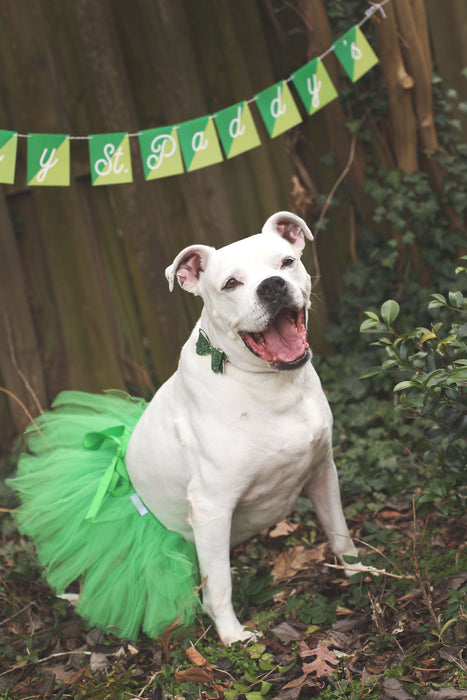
x=256, y=291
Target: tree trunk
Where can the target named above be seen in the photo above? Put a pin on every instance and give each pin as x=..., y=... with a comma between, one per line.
x=21, y=376
x=400, y=89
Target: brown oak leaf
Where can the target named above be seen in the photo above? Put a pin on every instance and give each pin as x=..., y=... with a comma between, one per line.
x=323, y=663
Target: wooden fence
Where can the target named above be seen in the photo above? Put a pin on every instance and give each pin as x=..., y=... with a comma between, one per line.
x=84, y=303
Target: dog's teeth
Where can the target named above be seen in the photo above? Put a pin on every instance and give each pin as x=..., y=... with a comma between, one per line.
x=259, y=338
x=292, y=319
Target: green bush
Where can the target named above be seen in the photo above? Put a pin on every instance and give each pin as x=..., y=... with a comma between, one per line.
x=429, y=367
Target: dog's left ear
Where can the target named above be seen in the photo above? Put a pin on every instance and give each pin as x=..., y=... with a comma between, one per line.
x=188, y=266
x=289, y=226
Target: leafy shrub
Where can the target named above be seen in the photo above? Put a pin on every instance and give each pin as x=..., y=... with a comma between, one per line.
x=416, y=235
x=430, y=366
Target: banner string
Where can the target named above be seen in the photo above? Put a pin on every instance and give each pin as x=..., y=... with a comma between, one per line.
x=373, y=9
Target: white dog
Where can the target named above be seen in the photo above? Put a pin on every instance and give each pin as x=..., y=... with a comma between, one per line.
x=243, y=427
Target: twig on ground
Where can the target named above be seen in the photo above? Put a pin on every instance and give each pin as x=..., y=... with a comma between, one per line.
x=377, y=551
x=370, y=570
x=46, y=658
x=26, y=607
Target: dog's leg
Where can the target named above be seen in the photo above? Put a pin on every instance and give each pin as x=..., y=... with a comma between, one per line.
x=323, y=490
x=211, y=528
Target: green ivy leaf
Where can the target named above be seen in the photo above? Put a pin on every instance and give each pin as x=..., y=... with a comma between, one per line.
x=459, y=374
x=371, y=372
x=371, y=314
x=256, y=650
x=286, y=669
x=438, y=300
x=426, y=336
x=265, y=687
x=369, y=325
x=390, y=311
x=404, y=385
x=456, y=299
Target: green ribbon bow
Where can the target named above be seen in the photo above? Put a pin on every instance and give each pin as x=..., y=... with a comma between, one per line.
x=115, y=479
x=204, y=347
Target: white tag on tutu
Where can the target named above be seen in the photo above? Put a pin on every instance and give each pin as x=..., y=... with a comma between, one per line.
x=138, y=504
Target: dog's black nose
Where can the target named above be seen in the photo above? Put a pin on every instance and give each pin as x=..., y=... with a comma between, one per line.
x=272, y=289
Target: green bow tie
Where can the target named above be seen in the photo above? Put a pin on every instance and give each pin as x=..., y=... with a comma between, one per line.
x=204, y=347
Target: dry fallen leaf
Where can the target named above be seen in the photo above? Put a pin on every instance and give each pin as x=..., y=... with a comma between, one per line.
x=323, y=663
x=296, y=682
x=283, y=528
x=98, y=662
x=197, y=658
x=293, y=560
x=194, y=675
x=388, y=514
x=287, y=633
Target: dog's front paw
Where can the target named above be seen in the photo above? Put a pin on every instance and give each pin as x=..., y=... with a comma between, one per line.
x=239, y=634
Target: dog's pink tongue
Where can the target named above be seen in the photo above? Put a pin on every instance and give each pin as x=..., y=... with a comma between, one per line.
x=283, y=341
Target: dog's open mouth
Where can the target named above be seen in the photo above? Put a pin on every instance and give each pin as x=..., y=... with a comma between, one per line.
x=283, y=343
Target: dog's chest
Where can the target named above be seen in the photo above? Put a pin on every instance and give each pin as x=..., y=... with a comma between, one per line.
x=285, y=447
x=278, y=460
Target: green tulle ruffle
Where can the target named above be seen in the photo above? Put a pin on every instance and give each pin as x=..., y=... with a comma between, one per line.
x=76, y=504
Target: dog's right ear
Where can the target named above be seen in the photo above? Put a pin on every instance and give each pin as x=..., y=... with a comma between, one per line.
x=188, y=266
x=289, y=226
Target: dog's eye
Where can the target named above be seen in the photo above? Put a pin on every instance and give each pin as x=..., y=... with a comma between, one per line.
x=231, y=283
x=288, y=262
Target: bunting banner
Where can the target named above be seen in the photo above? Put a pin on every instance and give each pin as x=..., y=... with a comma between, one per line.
x=355, y=53
x=237, y=130
x=160, y=152
x=48, y=160
x=8, y=145
x=199, y=142
x=110, y=159
x=171, y=150
x=278, y=109
x=314, y=86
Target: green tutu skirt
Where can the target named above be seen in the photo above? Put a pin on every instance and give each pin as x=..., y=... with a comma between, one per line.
x=87, y=523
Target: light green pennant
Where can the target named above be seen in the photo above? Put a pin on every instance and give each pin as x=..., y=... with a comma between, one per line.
x=355, y=53
x=110, y=159
x=278, y=109
x=48, y=160
x=8, y=145
x=237, y=130
x=199, y=142
x=314, y=86
x=160, y=151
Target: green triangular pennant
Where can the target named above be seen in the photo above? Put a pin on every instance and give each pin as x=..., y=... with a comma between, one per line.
x=48, y=160
x=160, y=151
x=199, y=142
x=110, y=159
x=237, y=130
x=314, y=86
x=8, y=144
x=278, y=109
x=355, y=53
